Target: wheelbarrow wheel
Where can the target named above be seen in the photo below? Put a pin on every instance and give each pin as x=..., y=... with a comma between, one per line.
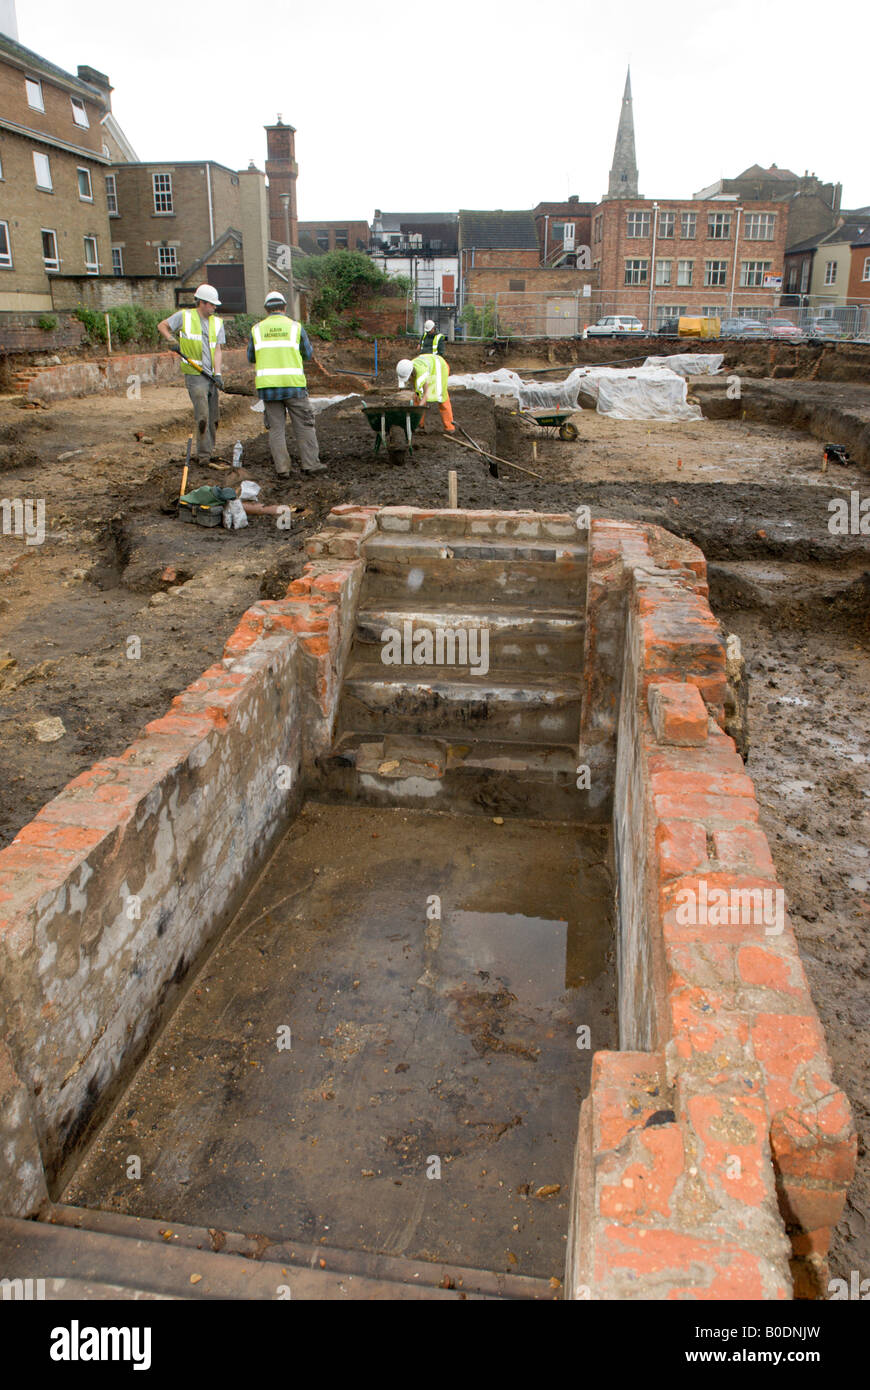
x=567, y=430
x=397, y=444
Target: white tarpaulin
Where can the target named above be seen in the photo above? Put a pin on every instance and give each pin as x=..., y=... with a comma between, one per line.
x=690, y=363
x=636, y=393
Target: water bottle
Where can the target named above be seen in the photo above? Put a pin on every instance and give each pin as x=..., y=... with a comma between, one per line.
x=237, y=453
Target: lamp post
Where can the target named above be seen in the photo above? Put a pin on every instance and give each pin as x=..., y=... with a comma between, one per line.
x=291, y=289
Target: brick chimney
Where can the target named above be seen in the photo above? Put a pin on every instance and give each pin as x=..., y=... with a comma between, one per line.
x=281, y=171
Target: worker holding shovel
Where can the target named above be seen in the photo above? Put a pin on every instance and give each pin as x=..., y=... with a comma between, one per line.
x=200, y=336
x=277, y=346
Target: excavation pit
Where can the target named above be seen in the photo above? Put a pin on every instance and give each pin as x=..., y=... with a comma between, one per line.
x=576, y=803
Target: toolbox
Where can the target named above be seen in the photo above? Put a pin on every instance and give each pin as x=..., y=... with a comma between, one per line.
x=202, y=514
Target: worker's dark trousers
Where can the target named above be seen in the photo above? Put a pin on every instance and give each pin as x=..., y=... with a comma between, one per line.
x=301, y=414
x=204, y=395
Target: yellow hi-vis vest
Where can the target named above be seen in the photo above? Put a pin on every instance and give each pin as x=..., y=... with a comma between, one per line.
x=432, y=370
x=276, y=349
x=436, y=339
x=190, y=339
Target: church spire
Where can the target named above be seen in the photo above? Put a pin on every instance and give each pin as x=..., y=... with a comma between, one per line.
x=623, y=175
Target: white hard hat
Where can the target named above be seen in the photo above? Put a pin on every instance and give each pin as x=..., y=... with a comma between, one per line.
x=404, y=368
x=274, y=297
x=207, y=293
x=428, y=326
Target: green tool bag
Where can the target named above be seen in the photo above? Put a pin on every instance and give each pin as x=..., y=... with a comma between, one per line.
x=205, y=505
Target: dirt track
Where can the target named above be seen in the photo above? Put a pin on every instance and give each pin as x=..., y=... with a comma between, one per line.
x=115, y=566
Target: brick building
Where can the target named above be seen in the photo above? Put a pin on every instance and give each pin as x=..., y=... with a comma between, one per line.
x=562, y=229
x=316, y=238
x=659, y=259
x=813, y=207
x=505, y=287
x=54, y=161
x=282, y=171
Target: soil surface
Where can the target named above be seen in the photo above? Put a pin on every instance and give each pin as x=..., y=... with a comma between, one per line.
x=123, y=604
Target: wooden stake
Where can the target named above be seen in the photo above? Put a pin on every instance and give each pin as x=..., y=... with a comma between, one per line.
x=452, y=489
x=534, y=451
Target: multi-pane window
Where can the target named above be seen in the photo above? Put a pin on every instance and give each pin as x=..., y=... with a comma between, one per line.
x=34, y=94
x=715, y=272
x=86, y=192
x=866, y=275
x=805, y=276
x=685, y=272
x=666, y=224
x=162, y=192
x=42, y=169
x=718, y=226
x=92, y=260
x=752, y=311
x=111, y=195
x=668, y=311
x=167, y=260
x=80, y=115
x=831, y=273
x=760, y=226
x=711, y=311
x=663, y=272
x=341, y=240
x=688, y=225
x=792, y=279
x=637, y=224
x=49, y=249
x=636, y=272
x=5, y=246
x=117, y=260
x=752, y=273
x=323, y=240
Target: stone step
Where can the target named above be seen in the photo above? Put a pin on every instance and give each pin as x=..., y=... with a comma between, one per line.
x=415, y=700
x=486, y=777
x=469, y=569
x=524, y=526
x=143, y=1258
x=545, y=639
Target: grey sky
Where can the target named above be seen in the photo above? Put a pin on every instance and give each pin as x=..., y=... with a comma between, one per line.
x=503, y=104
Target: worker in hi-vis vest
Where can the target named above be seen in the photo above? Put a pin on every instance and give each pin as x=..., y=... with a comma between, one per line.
x=429, y=373
x=277, y=346
x=201, y=336
x=432, y=341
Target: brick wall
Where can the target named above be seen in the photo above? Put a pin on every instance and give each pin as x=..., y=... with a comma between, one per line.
x=139, y=230
x=110, y=291
x=21, y=333
x=493, y=256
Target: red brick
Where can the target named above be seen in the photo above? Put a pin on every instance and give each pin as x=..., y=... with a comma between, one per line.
x=678, y=714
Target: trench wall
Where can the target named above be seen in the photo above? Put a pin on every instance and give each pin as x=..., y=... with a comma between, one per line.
x=714, y=1151
x=118, y=885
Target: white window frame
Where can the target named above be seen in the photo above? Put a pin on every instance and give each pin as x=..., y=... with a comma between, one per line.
x=830, y=272
x=50, y=262
x=667, y=224
x=760, y=226
x=6, y=256
x=43, y=187
x=1, y=169
x=39, y=105
x=78, y=107
x=167, y=261
x=89, y=196
x=663, y=272
x=162, y=193
x=92, y=267
x=632, y=219
x=718, y=226
x=669, y=311
x=866, y=275
x=637, y=271
x=117, y=268
x=709, y=272
x=685, y=273
x=752, y=274
x=688, y=226
x=712, y=311
x=112, y=195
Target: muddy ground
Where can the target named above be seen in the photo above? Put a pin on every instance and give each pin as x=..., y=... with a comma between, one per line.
x=115, y=566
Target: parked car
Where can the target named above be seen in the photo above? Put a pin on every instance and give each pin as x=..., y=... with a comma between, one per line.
x=825, y=328
x=783, y=328
x=613, y=325
x=741, y=328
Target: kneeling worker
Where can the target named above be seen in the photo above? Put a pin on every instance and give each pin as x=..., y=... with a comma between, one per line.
x=430, y=373
x=277, y=346
x=200, y=336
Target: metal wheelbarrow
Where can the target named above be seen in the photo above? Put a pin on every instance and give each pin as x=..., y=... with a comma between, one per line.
x=553, y=422
x=394, y=426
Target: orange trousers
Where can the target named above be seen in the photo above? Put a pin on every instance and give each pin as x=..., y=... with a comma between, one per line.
x=446, y=411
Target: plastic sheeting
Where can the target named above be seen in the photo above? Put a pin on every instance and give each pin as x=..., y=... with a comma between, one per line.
x=637, y=393
x=690, y=363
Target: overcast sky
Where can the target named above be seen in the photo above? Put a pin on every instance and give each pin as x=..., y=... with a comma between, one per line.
x=436, y=106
